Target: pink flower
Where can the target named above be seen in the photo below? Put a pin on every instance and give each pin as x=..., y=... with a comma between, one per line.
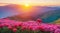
x=1, y=26
x=41, y=28
x=10, y=28
x=57, y=31
x=30, y=28
x=20, y=24
x=6, y=24
x=23, y=28
x=14, y=30
x=15, y=26
x=39, y=20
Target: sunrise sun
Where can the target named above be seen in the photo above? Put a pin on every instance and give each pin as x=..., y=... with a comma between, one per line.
x=26, y=5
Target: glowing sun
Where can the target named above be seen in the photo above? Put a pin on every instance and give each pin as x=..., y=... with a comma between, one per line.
x=26, y=5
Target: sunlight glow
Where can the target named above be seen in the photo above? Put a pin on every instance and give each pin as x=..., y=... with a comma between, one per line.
x=26, y=10
x=27, y=5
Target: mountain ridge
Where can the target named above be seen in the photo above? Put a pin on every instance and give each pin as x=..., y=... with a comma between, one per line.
x=37, y=12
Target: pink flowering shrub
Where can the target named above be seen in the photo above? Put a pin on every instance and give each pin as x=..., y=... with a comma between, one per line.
x=11, y=26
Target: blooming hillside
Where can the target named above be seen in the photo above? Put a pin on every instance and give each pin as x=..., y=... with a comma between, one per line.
x=12, y=26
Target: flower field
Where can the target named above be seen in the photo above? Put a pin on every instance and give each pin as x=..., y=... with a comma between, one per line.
x=12, y=26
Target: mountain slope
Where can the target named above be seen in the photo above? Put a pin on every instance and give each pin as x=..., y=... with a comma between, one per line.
x=13, y=9
x=57, y=21
x=47, y=17
x=9, y=10
x=51, y=16
x=47, y=14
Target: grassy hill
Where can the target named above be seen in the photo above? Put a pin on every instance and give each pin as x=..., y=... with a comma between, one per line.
x=51, y=16
x=57, y=21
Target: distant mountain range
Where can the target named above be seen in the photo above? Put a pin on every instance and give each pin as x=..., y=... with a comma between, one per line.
x=9, y=10
x=47, y=14
x=51, y=16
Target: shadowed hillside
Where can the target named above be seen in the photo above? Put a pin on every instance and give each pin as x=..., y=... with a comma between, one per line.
x=51, y=16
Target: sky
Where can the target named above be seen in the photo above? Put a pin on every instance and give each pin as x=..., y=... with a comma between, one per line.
x=3, y=11
x=33, y=2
